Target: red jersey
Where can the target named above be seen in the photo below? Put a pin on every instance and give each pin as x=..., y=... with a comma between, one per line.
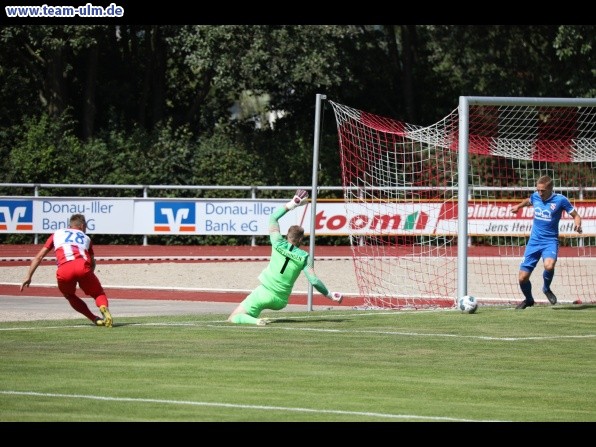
x=70, y=244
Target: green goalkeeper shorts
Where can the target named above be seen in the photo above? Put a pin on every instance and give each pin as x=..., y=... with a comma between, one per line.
x=262, y=298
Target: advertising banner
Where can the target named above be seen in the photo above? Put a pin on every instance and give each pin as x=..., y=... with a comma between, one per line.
x=250, y=217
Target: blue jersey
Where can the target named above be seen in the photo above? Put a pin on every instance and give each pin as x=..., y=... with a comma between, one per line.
x=547, y=215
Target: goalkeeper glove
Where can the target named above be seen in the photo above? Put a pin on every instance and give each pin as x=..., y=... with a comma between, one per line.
x=336, y=296
x=299, y=199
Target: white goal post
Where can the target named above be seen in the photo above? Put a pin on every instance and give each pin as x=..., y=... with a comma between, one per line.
x=430, y=206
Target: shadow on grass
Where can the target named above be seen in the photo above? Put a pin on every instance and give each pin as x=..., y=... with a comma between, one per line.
x=309, y=320
x=115, y=325
x=140, y=323
x=577, y=307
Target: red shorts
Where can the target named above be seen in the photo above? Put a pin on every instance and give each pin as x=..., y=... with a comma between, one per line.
x=78, y=272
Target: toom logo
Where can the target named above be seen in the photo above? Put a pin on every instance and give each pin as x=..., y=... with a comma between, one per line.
x=175, y=217
x=406, y=219
x=376, y=222
x=16, y=215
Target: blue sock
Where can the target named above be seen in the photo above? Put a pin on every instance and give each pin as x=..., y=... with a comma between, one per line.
x=548, y=279
x=526, y=288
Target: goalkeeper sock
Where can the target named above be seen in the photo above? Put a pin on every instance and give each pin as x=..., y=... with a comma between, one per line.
x=526, y=288
x=244, y=319
x=548, y=279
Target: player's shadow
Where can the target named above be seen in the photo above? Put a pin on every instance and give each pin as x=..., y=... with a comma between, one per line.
x=313, y=320
x=119, y=324
x=577, y=307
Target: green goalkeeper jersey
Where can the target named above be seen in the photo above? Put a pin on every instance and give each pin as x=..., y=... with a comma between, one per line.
x=286, y=263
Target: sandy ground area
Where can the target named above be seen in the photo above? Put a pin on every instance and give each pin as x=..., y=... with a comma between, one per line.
x=240, y=276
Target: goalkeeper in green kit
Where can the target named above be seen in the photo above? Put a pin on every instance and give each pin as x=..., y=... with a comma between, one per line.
x=278, y=278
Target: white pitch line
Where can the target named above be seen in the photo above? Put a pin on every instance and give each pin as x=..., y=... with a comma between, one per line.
x=222, y=324
x=243, y=406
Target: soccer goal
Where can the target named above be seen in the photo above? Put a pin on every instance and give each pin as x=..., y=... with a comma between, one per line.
x=430, y=207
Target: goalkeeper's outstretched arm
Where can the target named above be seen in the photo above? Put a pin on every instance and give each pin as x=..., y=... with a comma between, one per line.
x=295, y=238
x=299, y=199
x=319, y=285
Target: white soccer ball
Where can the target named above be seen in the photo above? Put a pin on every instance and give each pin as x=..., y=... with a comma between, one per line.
x=467, y=304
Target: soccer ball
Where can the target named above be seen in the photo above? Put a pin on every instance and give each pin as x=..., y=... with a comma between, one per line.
x=467, y=304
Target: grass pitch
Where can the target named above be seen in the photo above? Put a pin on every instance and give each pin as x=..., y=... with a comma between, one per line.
x=496, y=365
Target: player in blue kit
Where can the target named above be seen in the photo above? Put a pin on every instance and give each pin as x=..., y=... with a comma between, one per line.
x=544, y=238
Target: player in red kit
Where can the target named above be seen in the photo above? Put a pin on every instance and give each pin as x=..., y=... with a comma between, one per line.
x=76, y=265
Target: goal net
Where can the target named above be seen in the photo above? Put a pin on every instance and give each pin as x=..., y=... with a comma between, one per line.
x=402, y=188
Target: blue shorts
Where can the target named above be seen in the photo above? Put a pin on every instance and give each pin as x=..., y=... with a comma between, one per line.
x=533, y=253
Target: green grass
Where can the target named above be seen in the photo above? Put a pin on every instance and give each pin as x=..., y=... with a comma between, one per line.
x=499, y=364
